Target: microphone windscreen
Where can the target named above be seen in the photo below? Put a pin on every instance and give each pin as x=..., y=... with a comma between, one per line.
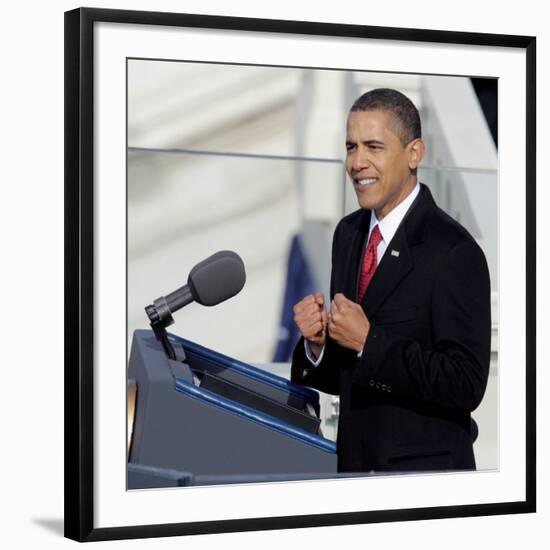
x=217, y=278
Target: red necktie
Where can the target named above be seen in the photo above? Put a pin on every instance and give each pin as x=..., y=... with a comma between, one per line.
x=369, y=262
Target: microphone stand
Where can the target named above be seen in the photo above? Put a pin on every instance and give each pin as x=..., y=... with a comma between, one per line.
x=159, y=324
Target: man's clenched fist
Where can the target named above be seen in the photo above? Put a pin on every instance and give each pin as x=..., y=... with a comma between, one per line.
x=348, y=325
x=310, y=315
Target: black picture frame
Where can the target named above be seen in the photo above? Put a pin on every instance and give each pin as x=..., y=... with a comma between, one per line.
x=79, y=271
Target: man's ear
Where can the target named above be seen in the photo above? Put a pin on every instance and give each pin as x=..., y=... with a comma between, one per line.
x=416, y=153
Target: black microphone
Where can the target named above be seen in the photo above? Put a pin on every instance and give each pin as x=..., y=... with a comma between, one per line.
x=212, y=281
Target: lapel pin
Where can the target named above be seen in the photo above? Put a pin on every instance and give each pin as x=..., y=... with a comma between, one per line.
x=395, y=253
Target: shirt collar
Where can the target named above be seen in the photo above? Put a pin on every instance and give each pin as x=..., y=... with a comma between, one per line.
x=388, y=226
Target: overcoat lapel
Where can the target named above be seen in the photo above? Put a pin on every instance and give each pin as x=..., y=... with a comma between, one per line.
x=355, y=255
x=391, y=270
x=397, y=261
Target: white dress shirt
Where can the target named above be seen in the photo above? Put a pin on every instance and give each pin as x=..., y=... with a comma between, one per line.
x=388, y=227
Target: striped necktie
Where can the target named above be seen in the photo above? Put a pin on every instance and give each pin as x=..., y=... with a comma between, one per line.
x=370, y=262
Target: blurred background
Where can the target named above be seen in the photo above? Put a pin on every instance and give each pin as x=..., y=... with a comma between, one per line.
x=251, y=159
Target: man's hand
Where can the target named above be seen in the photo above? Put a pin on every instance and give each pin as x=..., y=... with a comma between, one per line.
x=310, y=315
x=348, y=325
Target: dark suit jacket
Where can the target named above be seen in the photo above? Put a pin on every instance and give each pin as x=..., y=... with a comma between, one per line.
x=406, y=403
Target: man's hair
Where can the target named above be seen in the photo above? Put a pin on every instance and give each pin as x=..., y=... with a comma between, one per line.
x=404, y=114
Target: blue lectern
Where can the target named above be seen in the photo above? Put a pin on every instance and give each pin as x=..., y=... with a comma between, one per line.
x=207, y=416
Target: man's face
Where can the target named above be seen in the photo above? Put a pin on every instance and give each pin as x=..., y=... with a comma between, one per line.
x=378, y=163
